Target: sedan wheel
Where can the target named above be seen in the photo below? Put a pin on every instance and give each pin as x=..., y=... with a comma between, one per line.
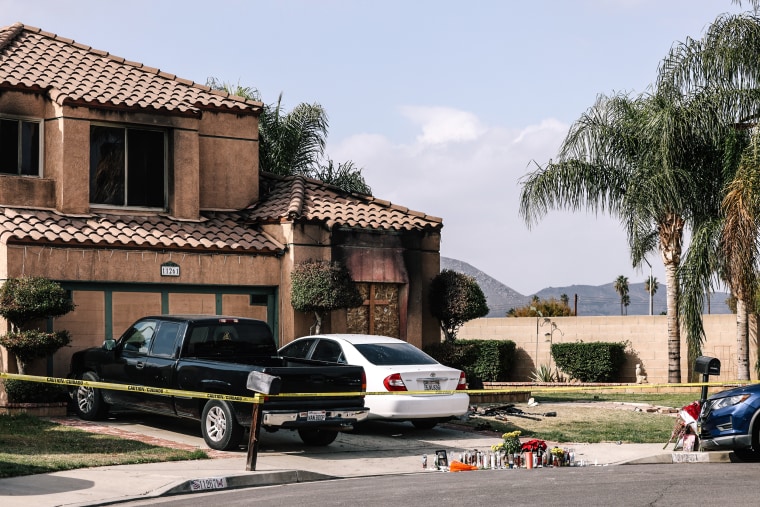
x=424, y=424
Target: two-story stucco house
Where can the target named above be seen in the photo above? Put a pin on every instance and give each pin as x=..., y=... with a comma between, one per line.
x=140, y=193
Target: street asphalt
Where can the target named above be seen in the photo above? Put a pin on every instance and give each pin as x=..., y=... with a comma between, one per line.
x=375, y=449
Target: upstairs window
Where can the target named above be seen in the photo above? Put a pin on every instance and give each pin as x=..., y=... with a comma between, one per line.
x=128, y=167
x=19, y=147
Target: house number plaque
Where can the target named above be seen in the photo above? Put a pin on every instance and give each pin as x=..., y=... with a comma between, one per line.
x=169, y=269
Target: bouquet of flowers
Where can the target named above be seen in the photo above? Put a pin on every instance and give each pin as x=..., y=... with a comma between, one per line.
x=510, y=444
x=534, y=445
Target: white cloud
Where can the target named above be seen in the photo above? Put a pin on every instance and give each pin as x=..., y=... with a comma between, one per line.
x=442, y=125
x=474, y=187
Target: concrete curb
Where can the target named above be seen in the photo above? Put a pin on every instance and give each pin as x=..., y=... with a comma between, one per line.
x=682, y=457
x=218, y=483
x=242, y=481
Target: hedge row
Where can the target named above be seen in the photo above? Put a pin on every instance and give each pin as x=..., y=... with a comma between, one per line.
x=590, y=362
x=481, y=360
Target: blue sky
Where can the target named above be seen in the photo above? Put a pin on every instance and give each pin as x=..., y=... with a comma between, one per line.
x=443, y=103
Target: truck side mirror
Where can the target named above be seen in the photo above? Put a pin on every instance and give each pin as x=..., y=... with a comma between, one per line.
x=109, y=344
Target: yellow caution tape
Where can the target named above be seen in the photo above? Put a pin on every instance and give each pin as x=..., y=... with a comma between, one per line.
x=259, y=398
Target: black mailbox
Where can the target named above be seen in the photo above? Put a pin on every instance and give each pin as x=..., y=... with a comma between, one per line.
x=707, y=365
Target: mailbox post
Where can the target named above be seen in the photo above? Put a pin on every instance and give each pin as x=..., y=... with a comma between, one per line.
x=706, y=366
x=262, y=384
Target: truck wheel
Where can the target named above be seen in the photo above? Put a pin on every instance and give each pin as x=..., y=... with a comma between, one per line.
x=220, y=429
x=317, y=437
x=88, y=402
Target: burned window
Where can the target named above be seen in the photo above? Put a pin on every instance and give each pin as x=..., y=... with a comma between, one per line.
x=19, y=147
x=127, y=167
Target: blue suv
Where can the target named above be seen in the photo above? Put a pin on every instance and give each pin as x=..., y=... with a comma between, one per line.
x=730, y=420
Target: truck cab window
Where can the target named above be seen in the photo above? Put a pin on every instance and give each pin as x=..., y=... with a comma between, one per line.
x=139, y=336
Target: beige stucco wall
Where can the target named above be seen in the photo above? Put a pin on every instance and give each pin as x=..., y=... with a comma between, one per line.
x=647, y=336
x=135, y=266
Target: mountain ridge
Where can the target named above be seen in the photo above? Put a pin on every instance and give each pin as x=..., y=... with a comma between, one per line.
x=591, y=299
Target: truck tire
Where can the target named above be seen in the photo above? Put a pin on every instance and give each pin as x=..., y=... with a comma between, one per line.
x=88, y=402
x=220, y=429
x=317, y=437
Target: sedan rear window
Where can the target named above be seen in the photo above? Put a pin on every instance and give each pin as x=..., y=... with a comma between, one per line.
x=387, y=354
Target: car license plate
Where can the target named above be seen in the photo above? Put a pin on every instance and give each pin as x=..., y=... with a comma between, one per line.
x=431, y=385
x=316, y=415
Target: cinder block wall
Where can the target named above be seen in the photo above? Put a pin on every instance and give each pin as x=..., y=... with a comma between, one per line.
x=647, y=337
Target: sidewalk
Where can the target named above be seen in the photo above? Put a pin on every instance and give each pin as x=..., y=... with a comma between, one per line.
x=282, y=459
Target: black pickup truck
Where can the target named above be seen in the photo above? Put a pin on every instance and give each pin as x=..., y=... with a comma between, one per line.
x=215, y=354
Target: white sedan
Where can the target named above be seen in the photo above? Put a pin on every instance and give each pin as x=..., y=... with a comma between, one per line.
x=392, y=365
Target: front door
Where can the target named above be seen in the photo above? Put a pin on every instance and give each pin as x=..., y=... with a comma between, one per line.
x=379, y=314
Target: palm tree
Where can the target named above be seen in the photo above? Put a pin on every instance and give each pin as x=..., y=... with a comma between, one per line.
x=628, y=156
x=293, y=142
x=725, y=64
x=621, y=287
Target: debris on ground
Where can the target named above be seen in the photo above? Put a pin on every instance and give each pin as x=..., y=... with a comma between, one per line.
x=501, y=413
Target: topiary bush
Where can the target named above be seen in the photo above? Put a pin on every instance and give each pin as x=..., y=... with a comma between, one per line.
x=33, y=344
x=590, y=362
x=320, y=287
x=27, y=299
x=455, y=298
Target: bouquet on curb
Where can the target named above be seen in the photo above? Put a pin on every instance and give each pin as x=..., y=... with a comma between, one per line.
x=510, y=444
x=534, y=445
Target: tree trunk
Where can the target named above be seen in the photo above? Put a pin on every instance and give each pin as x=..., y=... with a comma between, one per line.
x=674, y=329
x=317, y=323
x=742, y=340
x=670, y=231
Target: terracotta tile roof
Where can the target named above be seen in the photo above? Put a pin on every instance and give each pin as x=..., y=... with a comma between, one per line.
x=218, y=232
x=295, y=198
x=75, y=74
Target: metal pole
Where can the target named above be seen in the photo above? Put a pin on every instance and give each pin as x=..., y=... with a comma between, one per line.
x=651, y=281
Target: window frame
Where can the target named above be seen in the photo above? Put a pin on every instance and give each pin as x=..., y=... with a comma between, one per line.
x=40, y=142
x=166, y=163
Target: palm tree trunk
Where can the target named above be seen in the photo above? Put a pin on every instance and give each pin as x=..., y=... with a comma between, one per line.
x=674, y=329
x=670, y=230
x=742, y=340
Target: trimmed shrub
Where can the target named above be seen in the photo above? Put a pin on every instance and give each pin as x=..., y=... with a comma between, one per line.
x=481, y=360
x=33, y=344
x=590, y=362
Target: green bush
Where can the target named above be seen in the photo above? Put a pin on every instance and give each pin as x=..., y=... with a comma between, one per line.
x=22, y=391
x=31, y=297
x=455, y=298
x=481, y=360
x=590, y=362
x=30, y=345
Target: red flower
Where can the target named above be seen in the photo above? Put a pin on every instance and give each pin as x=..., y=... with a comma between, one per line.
x=533, y=445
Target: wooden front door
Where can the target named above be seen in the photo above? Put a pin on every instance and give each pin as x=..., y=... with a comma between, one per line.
x=379, y=314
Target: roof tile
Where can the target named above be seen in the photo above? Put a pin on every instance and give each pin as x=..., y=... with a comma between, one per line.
x=228, y=230
x=72, y=72
x=301, y=199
